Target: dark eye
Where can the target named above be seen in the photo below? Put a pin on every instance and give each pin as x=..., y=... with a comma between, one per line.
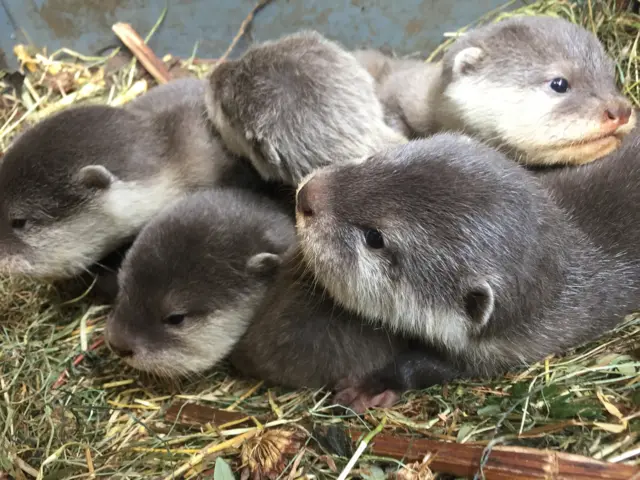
x=18, y=223
x=560, y=85
x=175, y=319
x=374, y=238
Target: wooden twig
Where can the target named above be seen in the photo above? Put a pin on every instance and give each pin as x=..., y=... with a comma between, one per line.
x=63, y=376
x=142, y=52
x=503, y=463
x=243, y=28
x=193, y=415
x=460, y=459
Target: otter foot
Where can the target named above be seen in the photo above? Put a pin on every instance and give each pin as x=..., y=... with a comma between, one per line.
x=361, y=396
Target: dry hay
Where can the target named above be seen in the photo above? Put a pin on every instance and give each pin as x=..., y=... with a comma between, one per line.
x=102, y=420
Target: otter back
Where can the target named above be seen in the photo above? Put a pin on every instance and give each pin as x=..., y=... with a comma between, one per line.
x=294, y=104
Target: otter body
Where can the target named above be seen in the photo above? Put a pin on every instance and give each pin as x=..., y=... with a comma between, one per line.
x=602, y=198
x=218, y=274
x=193, y=277
x=299, y=337
x=540, y=88
x=477, y=260
x=295, y=104
x=80, y=183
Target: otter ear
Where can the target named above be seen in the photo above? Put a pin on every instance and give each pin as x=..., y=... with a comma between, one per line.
x=467, y=60
x=270, y=153
x=264, y=263
x=479, y=303
x=96, y=177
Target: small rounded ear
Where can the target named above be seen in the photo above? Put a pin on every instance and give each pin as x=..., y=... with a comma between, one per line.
x=264, y=263
x=467, y=60
x=95, y=176
x=270, y=153
x=479, y=303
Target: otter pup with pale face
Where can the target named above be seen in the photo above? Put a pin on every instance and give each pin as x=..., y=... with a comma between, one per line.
x=80, y=183
x=297, y=103
x=447, y=240
x=218, y=274
x=193, y=277
x=540, y=88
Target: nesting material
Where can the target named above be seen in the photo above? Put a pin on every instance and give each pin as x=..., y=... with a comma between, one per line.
x=69, y=409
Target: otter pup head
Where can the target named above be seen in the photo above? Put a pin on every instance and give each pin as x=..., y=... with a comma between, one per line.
x=74, y=187
x=541, y=88
x=295, y=104
x=426, y=237
x=192, y=279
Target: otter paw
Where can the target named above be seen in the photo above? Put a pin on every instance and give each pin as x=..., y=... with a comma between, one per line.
x=360, y=399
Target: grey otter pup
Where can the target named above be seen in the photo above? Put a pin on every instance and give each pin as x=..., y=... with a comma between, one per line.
x=80, y=183
x=540, y=88
x=295, y=104
x=602, y=198
x=218, y=273
x=192, y=278
x=299, y=337
x=448, y=241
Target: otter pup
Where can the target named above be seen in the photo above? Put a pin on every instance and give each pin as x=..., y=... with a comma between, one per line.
x=219, y=273
x=294, y=104
x=602, y=198
x=447, y=240
x=78, y=184
x=540, y=88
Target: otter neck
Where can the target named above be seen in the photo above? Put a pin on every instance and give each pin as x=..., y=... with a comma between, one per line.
x=571, y=293
x=419, y=101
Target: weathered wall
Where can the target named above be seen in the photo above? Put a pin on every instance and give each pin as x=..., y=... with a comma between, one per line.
x=85, y=25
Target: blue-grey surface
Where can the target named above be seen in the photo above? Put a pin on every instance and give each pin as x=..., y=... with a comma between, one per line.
x=406, y=26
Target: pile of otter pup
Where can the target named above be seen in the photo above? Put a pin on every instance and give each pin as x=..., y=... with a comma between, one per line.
x=347, y=219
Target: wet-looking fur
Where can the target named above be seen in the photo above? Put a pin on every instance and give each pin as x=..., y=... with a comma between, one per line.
x=296, y=103
x=540, y=88
x=447, y=240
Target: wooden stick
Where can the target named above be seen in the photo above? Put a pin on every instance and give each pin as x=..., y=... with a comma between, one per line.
x=142, y=52
x=243, y=28
x=63, y=376
x=460, y=459
x=193, y=415
x=503, y=463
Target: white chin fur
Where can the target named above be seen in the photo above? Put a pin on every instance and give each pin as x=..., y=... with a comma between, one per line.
x=69, y=247
x=518, y=118
x=369, y=292
x=16, y=265
x=203, y=342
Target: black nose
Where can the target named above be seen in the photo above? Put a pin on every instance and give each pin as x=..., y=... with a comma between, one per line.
x=121, y=352
x=303, y=202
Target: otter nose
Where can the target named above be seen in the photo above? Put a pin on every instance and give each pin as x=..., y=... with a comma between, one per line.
x=303, y=202
x=122, y=352
x=309, y=196
x=617, y=115
x=118, y=343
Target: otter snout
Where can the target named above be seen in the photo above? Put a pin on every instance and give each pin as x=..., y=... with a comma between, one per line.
x=616, y=115
x=311, y=195
x=119, y=343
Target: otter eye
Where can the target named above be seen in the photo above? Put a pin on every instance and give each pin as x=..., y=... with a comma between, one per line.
x=18, y=223
x=374, y=238
x=560, y=85
x=174, y=319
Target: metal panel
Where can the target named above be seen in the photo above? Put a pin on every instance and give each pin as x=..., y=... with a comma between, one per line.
x=406, y=26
